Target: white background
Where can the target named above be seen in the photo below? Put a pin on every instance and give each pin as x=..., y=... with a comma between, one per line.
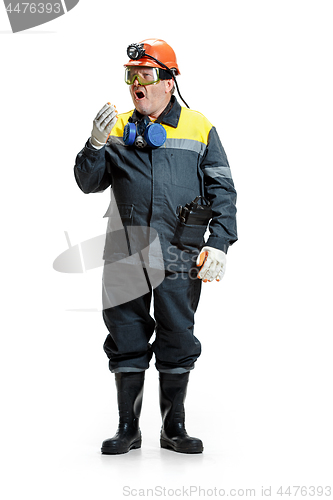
x=261, y=394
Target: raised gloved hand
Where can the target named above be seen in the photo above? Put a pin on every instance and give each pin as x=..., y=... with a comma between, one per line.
x=103, y=124
x=213, y=262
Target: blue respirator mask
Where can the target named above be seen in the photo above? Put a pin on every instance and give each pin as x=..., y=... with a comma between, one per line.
x=144, y=133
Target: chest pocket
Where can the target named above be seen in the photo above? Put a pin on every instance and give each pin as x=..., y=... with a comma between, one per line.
x=184, y=169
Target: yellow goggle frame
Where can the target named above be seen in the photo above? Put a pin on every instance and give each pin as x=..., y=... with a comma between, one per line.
x=144, y=75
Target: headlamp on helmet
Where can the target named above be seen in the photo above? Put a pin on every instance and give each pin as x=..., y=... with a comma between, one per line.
x=135, y=51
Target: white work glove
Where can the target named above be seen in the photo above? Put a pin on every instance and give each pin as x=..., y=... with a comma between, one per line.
x=214, y=262
x=103, y=124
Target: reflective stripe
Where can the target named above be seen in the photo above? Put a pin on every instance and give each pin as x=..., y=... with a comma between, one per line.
x=189, y=144
x=218, y=172
x=116, y=140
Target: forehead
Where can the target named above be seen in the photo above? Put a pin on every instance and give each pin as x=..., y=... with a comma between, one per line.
x=140, y=68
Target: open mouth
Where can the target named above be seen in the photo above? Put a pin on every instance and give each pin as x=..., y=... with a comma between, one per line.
x=139, y=95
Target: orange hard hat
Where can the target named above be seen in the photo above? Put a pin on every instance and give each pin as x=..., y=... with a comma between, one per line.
x=158, y=49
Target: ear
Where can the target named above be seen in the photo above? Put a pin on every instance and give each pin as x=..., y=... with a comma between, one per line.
x=168, y=85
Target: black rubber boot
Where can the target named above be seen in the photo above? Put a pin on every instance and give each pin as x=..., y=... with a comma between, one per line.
x=130, y=392
x=173, y=388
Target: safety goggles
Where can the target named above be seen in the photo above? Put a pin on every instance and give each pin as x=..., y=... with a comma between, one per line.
x=144, y=75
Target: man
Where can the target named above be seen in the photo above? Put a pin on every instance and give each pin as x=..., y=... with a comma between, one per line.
x=158, y=158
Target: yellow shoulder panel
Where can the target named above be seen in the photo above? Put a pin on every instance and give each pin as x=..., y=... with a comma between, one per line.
x=118, y=129
x=192, y=125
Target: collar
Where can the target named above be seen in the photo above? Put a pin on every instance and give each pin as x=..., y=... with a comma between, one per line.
x=170, y=118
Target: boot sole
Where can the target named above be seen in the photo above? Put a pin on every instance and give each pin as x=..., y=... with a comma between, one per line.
x=172, y=446
x=113, y=450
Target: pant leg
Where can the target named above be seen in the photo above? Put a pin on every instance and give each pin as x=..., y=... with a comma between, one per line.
x=130, y=328
x=175, y=301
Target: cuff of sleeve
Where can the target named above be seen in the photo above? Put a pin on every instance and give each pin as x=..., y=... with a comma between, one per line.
x=219, y=243
x=92, y=152
x=95, y=143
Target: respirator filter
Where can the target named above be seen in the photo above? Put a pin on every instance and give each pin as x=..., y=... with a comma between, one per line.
x=153, y=135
